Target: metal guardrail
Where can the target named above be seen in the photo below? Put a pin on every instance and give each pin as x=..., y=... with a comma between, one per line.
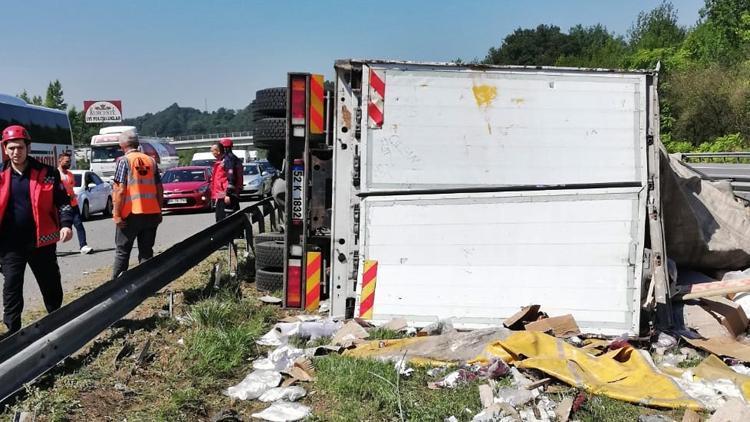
x=715, y=157
x=39, y=347
x=212, y=136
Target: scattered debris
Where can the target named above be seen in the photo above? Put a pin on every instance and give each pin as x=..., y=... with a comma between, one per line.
x=732, y=411
x=691, y=416
x=271, y=300
x=526, y=314
x=254, y=385
x=453, y=347
x=397, y=324
x=402, y=368
x=350, y=334
x=293, y=393
x=279, y=359
x=444, y=326
x=485, y=396
x=562, y=411
x=560, y=326
x=124, y=389
x=283, y=411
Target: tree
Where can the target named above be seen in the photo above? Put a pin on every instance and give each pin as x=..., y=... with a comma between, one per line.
x=24, y=96
x=54, y=98
x=656, y=29
x=37, y=100
x=731, y=21
x=541, y=46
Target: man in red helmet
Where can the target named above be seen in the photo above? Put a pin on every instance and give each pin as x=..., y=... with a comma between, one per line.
x=233, y=168
x=35, y=214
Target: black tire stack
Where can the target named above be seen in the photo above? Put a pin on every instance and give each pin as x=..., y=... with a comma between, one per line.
x=269, y=261
x=269, y=113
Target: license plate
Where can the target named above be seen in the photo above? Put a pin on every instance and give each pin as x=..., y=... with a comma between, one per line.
x=177, y=201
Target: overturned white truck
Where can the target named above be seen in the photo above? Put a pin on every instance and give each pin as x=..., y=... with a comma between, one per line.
x=467, y=192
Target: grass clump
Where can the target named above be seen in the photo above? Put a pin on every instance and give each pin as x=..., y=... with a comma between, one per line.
x=380, y=333
x=225, y=336
x=356, y=389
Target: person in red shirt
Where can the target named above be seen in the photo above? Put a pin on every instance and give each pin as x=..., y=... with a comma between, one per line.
x=222, y=189
x=69, y=181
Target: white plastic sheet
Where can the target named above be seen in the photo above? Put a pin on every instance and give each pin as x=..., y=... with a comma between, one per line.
x=292, y=393
x=279, y=359
x=283, y=411
x=254, y=385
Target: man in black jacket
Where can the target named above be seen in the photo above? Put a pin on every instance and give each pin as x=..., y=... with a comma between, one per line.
x=35, y=214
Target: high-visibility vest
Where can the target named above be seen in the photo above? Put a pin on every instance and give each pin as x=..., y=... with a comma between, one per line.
x=140, y=191
x=69, y=181
x=41, y=190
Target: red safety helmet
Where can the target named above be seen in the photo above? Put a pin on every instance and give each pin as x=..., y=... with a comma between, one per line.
x=16, y=132
x=226, y=142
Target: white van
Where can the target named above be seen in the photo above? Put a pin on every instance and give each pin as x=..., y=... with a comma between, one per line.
x=202, y=159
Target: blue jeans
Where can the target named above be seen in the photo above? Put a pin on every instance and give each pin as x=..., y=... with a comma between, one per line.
x=78, y=224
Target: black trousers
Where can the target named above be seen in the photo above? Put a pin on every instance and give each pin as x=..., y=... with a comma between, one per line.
x=222, y=209
x=140, y=227
x=43, y=263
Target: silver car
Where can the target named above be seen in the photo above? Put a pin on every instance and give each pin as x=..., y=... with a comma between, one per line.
x=256, y=181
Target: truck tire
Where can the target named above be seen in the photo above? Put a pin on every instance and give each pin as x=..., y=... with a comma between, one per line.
x=269, y=280
x=270, y=133
x=271, y=101
x=269, y=255
x=269, y=237
x=275, y=156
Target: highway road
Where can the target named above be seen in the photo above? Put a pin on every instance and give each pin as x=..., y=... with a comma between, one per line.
x=77, y=269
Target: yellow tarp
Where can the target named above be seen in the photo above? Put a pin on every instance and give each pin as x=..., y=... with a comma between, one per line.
x=622, y=374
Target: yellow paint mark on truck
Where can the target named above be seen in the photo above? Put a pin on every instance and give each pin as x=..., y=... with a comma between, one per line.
x=484, y=94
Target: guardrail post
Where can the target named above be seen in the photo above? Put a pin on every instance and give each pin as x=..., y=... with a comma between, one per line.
x=261, y=220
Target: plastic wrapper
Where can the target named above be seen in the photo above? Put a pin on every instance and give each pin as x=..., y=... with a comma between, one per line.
x=283, y=411
x=292, y=393
x=254, y=385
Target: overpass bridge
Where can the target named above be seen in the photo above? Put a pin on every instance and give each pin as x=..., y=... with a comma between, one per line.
x=242, y=140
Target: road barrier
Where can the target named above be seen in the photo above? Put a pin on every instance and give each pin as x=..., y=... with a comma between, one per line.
x=37, y=348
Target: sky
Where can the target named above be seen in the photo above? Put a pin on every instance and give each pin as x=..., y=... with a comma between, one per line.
x=211, y=54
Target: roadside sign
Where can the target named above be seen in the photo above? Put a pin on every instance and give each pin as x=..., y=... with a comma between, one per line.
x=109, y=111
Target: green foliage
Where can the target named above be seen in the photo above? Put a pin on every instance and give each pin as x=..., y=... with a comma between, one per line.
x=54, y=97
x=380, y=333
x=186, y=156
x=175, y=121
x=24, y=95
x=727, y=143
x=363, y=389
x=228, y=329
x=536, y=47
x=656, y=29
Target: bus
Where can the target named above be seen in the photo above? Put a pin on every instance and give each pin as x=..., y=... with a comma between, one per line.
x=105, y=150
x=49, y=128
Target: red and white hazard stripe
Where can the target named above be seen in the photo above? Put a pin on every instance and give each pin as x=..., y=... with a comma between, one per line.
x=377, y=98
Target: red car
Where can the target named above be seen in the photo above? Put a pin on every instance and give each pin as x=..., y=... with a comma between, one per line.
x=187, y=188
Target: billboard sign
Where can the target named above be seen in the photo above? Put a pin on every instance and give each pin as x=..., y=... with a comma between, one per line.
x=103, y=111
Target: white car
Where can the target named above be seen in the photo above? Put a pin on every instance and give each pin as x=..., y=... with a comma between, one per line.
x=94, y=194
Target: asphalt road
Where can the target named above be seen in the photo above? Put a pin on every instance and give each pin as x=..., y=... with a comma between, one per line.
x=100, y=234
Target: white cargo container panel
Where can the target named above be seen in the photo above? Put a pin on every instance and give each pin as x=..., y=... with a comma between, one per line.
x=449, y=127
x=478, y=258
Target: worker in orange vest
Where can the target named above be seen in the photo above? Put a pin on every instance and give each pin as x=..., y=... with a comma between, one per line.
x=137, y=199
x=69, y=181
x=35, y=214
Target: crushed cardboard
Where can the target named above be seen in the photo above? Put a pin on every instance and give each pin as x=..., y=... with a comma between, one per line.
x=350, y=334
x=730, y=314
x=723, y=346
x=526, y=314
x=560, y=326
